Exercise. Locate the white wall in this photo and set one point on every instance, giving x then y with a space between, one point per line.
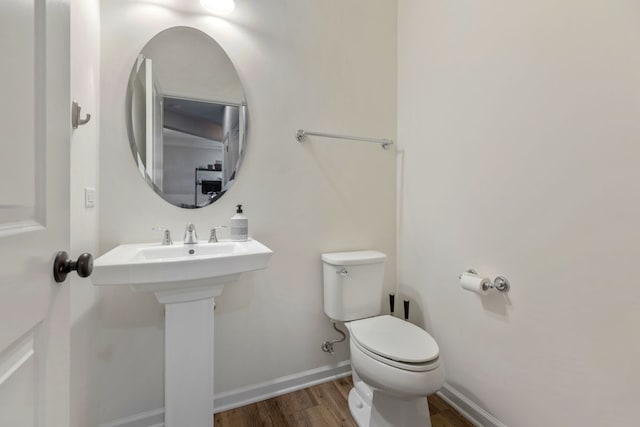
326 66
85 88
519 122
209 76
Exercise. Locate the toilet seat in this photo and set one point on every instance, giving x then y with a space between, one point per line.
396 343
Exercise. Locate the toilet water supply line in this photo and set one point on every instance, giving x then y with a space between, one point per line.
327 346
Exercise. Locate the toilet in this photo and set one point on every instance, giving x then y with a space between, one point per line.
395 364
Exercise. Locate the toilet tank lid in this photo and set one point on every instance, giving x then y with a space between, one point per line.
354 257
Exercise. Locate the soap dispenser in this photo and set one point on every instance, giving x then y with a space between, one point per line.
239 226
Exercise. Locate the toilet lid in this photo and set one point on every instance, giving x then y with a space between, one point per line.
394 339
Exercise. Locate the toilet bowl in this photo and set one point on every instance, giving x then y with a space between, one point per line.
395 364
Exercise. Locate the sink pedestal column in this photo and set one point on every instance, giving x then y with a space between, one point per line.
188 378
188 350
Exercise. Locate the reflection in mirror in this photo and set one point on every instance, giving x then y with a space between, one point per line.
186 117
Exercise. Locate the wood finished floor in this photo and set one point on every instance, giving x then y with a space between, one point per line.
324 405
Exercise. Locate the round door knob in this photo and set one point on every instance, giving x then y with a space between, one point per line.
63 265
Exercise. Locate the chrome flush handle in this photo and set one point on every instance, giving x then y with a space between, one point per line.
343 272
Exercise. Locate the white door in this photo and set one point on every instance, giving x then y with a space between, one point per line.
34 212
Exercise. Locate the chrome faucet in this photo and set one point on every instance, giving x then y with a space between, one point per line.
190 235
213 238
166 236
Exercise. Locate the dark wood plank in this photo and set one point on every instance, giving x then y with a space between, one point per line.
246 416
436 404
448 419
345 385
300 419
323 405
270 415
319 416
330 398
295 402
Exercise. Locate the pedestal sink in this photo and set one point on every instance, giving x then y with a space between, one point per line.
186 279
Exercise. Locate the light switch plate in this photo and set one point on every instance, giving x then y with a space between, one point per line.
89 197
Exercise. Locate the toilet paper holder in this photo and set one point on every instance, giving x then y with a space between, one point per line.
500 283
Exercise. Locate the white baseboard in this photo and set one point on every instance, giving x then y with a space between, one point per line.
279 386
247 395
153 418
468 408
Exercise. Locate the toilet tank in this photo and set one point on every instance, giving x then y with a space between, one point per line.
353 283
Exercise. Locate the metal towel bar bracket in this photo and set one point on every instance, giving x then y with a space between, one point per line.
302 134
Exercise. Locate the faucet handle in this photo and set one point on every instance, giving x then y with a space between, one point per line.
213 238
166 235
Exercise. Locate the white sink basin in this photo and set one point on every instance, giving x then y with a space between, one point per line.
186 278
179 272
186 252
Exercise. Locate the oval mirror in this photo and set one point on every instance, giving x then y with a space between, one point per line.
186 117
